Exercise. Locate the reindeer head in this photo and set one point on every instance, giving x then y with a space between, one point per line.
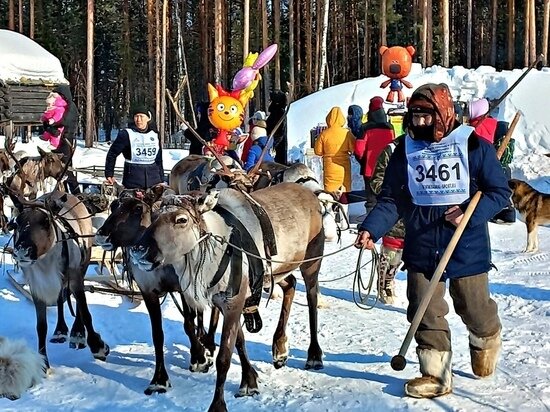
176 232
130 215
52 163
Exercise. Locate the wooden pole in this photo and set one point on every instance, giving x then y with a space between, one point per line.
162 107
31 19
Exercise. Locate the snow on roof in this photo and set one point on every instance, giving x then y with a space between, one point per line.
532 134
22 60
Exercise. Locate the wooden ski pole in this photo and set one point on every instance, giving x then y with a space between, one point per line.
398 362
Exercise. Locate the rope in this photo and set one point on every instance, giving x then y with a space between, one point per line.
362 293
222 240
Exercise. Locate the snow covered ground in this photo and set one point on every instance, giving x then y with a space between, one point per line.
357 344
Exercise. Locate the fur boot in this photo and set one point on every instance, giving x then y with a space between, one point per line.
436 379
20 368
484 353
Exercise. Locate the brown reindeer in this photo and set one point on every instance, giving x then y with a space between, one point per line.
130 215
31 172
191 234
52 246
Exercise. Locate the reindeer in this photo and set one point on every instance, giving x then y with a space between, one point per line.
192 234
52 246
130 215
31 172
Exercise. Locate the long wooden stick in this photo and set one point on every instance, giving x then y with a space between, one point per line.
509 133
398 362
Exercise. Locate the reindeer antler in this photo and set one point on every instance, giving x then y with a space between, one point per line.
9 145
256 167
225 168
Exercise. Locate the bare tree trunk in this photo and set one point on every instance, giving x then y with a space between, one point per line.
511 33
158 35
546 21
445 21
265 43
246 28
383 23
20 15
315 57
425 32
218 39
526 33
150 42
308 46
291 29
429 48
323 45
11 15
277 40
89 139
163 74
532 32
494 33
31 19
469 36
366 46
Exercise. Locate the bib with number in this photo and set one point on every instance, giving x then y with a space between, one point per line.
143 147
439 172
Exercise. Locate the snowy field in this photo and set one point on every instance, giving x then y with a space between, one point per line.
357 344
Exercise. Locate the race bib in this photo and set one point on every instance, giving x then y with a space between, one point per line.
439 172
143 147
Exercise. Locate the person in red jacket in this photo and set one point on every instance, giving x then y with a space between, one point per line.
377 134
484 125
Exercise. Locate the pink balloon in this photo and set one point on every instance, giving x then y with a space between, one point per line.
265 56
244 78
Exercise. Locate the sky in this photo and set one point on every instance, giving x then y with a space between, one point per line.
357 344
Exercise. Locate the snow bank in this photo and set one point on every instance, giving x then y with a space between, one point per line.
25 61
532 134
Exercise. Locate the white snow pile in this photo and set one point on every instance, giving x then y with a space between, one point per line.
25 61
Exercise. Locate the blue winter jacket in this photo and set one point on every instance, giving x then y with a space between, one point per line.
256 151
427 232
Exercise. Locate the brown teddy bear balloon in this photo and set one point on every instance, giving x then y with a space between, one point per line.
396 64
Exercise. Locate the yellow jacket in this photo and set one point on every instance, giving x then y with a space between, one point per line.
335 144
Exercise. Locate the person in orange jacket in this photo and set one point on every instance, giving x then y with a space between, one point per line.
335 144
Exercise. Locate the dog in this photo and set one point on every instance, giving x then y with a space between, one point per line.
20 368
534 208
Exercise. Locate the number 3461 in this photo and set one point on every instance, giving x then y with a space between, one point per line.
442 172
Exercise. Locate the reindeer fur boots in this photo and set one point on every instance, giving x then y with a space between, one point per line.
436 379
484 353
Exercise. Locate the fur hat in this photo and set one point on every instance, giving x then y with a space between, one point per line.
376 103
478 108
437 99
257 132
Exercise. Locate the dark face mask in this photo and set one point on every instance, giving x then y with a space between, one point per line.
425 133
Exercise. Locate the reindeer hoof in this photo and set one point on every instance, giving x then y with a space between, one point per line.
157 388
314 364
59 337
202 367
279 363
77 341
247 391
102 353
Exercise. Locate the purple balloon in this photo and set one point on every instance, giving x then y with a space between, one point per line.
244 78
265 56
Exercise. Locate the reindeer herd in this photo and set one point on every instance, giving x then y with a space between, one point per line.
217 236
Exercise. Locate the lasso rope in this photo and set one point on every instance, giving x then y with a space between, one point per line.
362 293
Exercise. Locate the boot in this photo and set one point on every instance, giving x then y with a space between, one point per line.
436 379
387 292
484 353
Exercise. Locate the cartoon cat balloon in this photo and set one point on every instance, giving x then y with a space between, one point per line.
225 112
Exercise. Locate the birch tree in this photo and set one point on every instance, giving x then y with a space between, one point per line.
323 44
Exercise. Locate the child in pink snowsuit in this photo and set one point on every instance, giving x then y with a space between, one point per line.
53 114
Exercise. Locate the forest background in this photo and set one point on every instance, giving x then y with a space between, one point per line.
119 52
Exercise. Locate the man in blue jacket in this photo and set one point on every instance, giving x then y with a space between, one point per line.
140 146
429 181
